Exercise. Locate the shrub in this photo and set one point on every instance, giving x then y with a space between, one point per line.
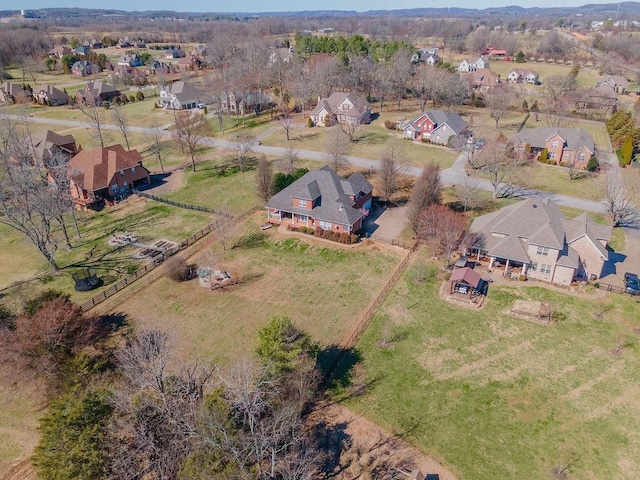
309 122
178 270
627 150
318 232
354 238
544 156
390 125
426 140
139 96
592 164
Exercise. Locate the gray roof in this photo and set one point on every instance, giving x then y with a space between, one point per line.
335 205
575 138
184 91
52 92
330 104
507 232
453 120
98 87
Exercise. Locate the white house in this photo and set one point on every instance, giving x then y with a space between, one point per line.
467 66
523 75
180 96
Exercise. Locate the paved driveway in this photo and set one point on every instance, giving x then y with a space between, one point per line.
627 260
386 223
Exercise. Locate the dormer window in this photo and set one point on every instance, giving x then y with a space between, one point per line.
133 169
302 203
122 173
554 144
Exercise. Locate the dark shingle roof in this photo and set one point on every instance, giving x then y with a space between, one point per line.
574 137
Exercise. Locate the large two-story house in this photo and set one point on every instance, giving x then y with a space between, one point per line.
466 66
534 239
341 107
523 75
436 126
323 199
569 146
48 146
104 174
180 95
96 93
50 95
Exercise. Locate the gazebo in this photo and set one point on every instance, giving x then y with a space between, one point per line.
466 281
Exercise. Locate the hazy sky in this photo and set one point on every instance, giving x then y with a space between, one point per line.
287 5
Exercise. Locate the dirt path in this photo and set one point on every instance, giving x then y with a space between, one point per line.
376 444
22 471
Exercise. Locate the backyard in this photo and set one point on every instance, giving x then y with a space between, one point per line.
492 396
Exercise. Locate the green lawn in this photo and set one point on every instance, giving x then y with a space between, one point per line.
323 288
493 396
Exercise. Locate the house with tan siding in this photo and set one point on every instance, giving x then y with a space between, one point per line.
567 146
533 239
323 199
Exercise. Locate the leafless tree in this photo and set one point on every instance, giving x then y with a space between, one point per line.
264 179
285 114
469 194
427 83
454 91
558 97
191 128
154 140
60 181
289 161
242 149
427 190
392 167
301 86
337 148
620 199
499 102
359 73
399 70
442 228
350 129
96 123
497 161
122 122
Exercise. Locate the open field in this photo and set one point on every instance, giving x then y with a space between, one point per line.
149 220
321 287
493 396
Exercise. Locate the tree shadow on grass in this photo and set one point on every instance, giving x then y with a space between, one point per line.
336 364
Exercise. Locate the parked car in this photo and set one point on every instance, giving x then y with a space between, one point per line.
631 283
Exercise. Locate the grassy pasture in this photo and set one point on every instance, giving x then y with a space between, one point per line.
493 396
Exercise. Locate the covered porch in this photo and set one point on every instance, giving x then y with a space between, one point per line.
507 267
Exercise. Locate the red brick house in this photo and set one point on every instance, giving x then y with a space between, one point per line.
436 126
569 146
105 175
323 199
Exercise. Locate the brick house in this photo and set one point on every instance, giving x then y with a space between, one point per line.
482 80
82 68
323 199
437 126
105 175
14 93
538 241
48 144
341 107
50 95
570 146
96 93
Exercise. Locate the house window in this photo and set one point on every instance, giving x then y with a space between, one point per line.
552 155
533 266
133 169
325 225
302 218
543 251
582 157
122 173
345 106
554 144
302 203
545 268
114 188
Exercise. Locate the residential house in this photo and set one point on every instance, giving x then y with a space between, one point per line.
341 107
323 199
494 52
104 175
50 95
426 55
482 80
82 50
472 65
617 83
140 44
130 74
569 146
161 68
436 126
48 145
284 55
180 96
14 93
82 68
523 75
174 52
131 60
59 52
124 43
189 63
96 93
96 44
536 240
240 103
602 100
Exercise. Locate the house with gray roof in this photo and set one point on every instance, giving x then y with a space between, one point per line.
48 145
50 95
323 199
341 107
436 126
565 146
180 95
96 93
539 242
617 83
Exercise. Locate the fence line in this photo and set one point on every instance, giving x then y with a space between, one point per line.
392 241
188 246
379 300
609 288
187 206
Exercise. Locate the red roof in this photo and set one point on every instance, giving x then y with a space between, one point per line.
466 275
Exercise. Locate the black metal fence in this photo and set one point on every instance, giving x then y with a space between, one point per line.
188 206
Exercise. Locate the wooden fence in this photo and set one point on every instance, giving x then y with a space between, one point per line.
380 298
188 206
609 288
392 241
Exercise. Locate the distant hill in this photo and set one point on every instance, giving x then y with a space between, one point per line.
594 10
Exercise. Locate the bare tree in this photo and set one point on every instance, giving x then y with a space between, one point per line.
399 70
469 194
242 149
285 114
427 190
426 84
154 139
392 167
191 129
289 161
381 85
264 179
122 122
499 102
442 228
620 199
336 150
96 123
497 160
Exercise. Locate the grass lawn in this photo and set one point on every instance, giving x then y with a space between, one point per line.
321 287
149 220
555 179
493 396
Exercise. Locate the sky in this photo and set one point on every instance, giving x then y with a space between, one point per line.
290 5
